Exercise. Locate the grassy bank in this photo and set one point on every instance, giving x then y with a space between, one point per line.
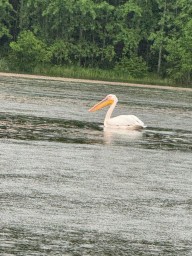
93 74
99 74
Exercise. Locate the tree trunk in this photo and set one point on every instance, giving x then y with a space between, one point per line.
21 15
162 32
159 60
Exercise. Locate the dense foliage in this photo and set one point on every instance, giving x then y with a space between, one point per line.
131 36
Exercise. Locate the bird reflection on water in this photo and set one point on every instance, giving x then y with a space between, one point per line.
112 135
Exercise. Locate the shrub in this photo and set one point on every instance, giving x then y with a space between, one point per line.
134 67
4 64
60 52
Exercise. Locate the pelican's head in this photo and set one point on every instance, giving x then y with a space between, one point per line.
108 100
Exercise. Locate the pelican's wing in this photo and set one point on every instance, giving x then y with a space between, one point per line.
126 120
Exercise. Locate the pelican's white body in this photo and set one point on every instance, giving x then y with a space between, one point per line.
130 122
124 122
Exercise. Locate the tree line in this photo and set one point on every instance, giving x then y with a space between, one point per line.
133 36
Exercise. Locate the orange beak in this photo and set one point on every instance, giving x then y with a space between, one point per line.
105 102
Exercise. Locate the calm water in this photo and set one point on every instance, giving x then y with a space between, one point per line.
68 187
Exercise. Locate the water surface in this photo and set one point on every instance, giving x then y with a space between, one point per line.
69 187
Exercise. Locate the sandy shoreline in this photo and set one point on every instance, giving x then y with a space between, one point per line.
74 80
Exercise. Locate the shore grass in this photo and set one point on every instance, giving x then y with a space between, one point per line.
95 74
99 74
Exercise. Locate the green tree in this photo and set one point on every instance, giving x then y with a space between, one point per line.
179 45
127 31
162 32
29 51
5 18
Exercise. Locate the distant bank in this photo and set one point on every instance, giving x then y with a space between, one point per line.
75 80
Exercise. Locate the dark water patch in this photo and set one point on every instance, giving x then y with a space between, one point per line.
168 139
40 128
22 127
151 138
82 242
33 120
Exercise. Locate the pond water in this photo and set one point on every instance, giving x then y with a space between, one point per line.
68 187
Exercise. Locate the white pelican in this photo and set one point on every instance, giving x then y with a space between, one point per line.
130 122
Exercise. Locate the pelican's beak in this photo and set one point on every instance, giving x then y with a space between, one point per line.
105 102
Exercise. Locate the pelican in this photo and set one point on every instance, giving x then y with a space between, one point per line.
130 122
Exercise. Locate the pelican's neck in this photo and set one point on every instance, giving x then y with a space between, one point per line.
109 113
